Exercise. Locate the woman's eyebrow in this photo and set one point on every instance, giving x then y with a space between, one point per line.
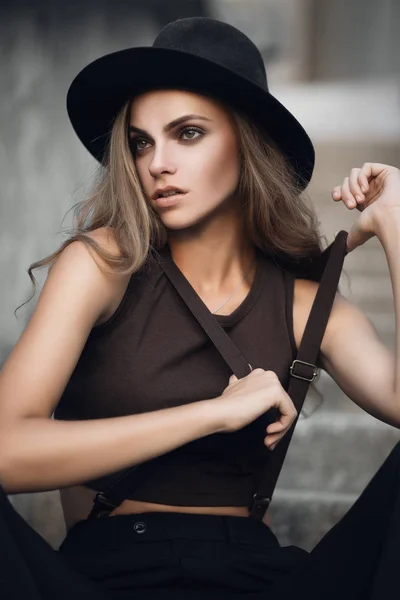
171 125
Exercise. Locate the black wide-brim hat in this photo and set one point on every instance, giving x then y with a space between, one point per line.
197 54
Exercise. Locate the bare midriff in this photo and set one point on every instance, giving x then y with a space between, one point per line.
77 503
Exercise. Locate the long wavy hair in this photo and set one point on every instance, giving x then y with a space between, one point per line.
278 219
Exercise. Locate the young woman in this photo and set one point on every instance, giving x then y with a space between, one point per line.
201 167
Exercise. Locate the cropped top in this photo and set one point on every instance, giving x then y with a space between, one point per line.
153 354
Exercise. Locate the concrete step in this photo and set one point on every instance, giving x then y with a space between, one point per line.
372 292
345 115
336 158
369 259
326 469
302 519
43 512
336 452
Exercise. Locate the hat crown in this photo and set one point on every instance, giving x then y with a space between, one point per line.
198 54
216 41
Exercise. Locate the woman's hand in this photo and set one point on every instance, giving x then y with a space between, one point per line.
246 399
374 190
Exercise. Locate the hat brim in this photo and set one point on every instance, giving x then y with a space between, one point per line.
101 89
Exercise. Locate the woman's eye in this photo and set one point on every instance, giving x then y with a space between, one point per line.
191 129
187 131
134 144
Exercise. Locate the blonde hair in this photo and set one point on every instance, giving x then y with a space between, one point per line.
278 220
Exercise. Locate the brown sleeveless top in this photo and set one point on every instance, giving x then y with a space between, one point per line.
153 354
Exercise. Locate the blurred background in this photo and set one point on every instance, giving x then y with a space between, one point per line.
336 66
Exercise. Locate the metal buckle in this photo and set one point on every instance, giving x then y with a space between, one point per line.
102 501
258 507
315 370
259 501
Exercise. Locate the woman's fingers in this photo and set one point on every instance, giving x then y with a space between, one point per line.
347 196
271 440
288 412
363 180
355 187
275 427
342 192
276 431
337 193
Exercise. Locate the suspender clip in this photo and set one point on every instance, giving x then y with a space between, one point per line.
103 501
258 506
101 506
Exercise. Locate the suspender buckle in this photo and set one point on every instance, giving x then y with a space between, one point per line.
101 506
314 370
102 503
258 506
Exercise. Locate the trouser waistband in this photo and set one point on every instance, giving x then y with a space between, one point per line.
157 526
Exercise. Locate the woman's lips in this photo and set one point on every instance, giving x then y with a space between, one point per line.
169 200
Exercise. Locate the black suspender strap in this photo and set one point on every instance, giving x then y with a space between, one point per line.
303 370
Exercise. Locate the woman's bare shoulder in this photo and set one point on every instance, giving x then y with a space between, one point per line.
118 283
105 238
73 297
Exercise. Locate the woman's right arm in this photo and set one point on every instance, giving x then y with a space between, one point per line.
38 453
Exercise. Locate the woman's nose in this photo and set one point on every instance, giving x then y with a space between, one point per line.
161 162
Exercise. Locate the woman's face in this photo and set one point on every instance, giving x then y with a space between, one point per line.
199 154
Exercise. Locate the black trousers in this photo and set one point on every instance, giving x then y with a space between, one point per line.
176 555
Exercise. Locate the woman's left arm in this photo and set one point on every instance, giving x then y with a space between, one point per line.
351 351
